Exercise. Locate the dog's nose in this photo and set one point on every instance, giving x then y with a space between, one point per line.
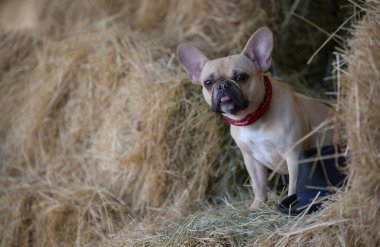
224 85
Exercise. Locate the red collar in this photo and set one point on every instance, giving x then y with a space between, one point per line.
254 116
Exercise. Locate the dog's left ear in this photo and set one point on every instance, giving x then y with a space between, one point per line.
259 48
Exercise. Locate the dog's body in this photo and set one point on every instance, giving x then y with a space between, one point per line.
235 87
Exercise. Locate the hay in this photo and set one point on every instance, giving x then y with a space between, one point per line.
76 162
101 129
90 141
232 225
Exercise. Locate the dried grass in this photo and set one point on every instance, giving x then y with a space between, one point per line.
100 130
91 122
232 225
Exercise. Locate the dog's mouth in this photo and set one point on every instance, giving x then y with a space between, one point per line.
228 99
225 99
226 104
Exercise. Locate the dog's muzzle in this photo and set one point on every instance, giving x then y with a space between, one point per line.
227 97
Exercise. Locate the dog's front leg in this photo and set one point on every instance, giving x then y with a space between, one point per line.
258 175
292 162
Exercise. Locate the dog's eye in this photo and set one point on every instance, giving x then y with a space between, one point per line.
241 77
207 83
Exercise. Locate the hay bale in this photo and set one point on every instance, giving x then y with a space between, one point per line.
90 140
99 126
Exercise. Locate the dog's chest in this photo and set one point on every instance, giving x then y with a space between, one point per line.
262 147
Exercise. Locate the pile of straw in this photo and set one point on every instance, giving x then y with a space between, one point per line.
99 130
103 137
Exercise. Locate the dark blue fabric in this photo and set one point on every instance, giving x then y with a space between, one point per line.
322 174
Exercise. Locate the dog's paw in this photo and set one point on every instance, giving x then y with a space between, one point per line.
256 204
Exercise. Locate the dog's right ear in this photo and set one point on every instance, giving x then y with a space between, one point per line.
192 60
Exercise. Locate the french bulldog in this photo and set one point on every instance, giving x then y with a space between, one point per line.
270 122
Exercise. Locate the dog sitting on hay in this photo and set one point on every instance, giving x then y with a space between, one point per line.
269 121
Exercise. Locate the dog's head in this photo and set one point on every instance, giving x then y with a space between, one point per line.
230 84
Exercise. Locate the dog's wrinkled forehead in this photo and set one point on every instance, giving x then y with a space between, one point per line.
224 68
